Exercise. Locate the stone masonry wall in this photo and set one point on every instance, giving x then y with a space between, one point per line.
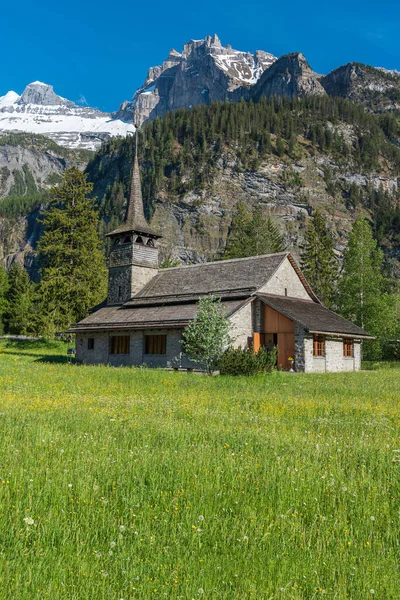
241 326
285 278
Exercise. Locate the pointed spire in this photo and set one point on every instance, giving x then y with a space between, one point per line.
134 218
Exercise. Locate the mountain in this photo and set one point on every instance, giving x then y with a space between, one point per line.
290 76
288 158
205 71
40 110
376 88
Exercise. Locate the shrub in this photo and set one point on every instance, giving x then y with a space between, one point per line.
244 361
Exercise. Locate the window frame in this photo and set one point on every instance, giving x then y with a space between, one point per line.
153 342
120 347
319 350
348 342
90 343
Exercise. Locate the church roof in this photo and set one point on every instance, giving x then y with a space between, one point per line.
147 317
221 277
134 218
313 316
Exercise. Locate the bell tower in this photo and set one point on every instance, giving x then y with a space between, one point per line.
133 257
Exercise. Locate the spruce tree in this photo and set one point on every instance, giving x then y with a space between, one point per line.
18 299
238 243
318 261
3 300
361 286
252 235
73 271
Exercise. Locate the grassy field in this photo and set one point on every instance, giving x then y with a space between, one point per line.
131 483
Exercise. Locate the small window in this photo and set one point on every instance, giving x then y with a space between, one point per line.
120 344
127 239
348 348
155 344
90 344
285 291
119 291
139 240
150 242
319 346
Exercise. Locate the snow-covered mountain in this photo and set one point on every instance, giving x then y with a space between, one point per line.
203 72
40 110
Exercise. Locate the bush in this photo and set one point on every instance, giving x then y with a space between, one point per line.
244 361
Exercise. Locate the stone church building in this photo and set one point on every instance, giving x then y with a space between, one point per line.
267 299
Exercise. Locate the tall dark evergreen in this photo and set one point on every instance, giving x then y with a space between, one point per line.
73 271
252 235
3 300
18 297
318 261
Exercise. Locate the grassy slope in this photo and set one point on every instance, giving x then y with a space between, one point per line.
150 484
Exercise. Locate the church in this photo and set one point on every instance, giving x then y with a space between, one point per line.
266 298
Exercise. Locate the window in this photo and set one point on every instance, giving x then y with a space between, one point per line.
90 344
319 346
150 243
285 291
119 344
348 348
155 344
139 240
127 239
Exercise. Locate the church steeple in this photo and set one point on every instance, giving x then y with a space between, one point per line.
134 254
134 218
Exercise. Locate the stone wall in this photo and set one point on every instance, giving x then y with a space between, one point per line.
332 362
285 278
241 326
125 282
100 354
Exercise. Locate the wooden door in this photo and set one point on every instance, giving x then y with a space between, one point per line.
285 349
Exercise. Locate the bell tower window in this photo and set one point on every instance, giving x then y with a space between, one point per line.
150 242
139 240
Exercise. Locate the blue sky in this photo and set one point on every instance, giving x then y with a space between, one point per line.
101 51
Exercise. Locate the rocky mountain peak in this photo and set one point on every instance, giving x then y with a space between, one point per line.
42 94
205 71
290 75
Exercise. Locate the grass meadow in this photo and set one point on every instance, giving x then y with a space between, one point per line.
132 483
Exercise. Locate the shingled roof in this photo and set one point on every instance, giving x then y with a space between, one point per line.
313 316
242 274
147 317
134 218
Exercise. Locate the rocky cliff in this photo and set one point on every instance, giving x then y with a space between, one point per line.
377 89
203 72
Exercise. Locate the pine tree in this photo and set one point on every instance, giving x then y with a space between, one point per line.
238 243
362 284
252 235
18 297
73 271
318 261
3 292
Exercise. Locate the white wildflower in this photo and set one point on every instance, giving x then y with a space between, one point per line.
113 544
201 518
70 485
29 521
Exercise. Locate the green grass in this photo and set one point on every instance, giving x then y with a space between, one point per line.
150 484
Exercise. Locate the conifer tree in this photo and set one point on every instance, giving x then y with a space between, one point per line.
3 300
73 271
318 261
18 299
252 235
